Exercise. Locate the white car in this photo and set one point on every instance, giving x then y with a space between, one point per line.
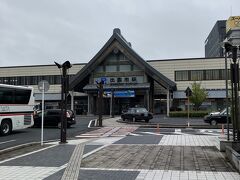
218 112
214 113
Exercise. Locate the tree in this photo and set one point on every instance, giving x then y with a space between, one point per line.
199 95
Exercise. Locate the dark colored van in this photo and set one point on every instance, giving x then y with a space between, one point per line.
52 117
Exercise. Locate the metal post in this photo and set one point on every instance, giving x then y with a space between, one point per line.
235 96
100 102
188 108
42 115
168 108
113 103
64 81
233 109
227 104
63 127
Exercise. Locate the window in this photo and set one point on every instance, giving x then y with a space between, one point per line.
134 79
119 79
126 79
136 68
181 75
124 68
111 58
22 96
122 57
111 68
30 80
112 80
14 96
197 75
213 74
99 69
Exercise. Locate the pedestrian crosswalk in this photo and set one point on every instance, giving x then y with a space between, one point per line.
107 132
135 131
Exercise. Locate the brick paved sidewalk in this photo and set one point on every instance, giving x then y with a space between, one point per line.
118 154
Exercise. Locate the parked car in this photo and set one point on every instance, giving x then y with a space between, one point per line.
135 114
52 117
218 112
216 118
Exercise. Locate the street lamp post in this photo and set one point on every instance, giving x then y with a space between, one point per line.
64 81
227 102
232 51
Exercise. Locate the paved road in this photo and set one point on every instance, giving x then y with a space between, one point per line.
180 121
34 134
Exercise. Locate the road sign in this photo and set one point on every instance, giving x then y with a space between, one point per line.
43 86
104 80
188 92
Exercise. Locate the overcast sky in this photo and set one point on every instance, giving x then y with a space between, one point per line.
36 32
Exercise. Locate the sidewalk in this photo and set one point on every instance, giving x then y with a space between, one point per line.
121 152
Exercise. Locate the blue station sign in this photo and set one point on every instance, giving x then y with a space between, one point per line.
125 93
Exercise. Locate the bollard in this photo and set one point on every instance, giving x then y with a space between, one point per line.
222 133
188 124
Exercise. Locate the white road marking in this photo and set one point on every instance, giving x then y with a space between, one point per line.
27 154
178 130
133 134
152 133
7 141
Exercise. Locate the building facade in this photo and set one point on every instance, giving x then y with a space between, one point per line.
215 38
158 85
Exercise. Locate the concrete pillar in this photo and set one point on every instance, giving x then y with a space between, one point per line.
72 100
147 96
90 103
168 103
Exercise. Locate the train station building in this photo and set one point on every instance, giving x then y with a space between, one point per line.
158 85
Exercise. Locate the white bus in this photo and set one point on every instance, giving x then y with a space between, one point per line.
16 108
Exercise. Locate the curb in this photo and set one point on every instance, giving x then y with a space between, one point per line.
14 148
154 125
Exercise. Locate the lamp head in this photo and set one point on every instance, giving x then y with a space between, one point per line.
228 46
58 65
67 65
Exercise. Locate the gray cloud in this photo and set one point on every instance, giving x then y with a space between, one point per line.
40 32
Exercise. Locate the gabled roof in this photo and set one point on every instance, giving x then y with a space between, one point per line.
119 42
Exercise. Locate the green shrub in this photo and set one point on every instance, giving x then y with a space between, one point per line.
185 113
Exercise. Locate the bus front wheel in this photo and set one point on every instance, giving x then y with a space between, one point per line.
6 127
